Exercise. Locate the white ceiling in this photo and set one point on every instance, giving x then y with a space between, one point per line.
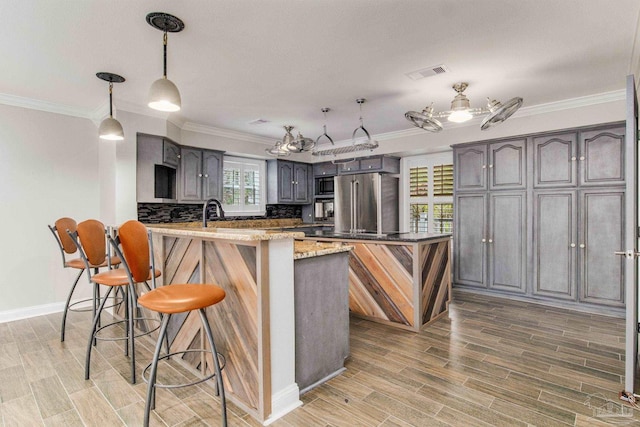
283 60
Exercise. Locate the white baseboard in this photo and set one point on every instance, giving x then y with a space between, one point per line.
34 311
283 402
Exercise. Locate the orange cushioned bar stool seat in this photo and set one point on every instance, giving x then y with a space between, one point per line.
67 247
181 298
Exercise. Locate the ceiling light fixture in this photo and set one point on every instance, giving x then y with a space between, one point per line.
325 110
278 150
301 144
365 143
163 94
110 129
461 112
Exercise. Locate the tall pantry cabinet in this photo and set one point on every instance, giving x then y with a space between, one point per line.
540 216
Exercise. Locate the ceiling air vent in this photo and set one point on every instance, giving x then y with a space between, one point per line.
428 72
258 122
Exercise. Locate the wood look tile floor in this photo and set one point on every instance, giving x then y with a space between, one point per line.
491 362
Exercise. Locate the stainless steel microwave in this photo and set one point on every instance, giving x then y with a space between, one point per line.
324 186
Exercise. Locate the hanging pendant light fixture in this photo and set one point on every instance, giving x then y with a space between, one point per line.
163 94
461 112
110 129
325 110
364 142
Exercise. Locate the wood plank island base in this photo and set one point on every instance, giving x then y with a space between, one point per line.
255 324
402 279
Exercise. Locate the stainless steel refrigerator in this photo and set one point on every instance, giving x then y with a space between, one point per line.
366 203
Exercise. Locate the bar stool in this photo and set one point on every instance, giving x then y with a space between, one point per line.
68 247
90 241
169 300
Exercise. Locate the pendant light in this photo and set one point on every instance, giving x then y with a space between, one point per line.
163 94
364 143
110 129
461 112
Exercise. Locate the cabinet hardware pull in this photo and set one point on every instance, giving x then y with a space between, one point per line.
490 166
206 175
484 166
581 158
582 246
628 254
179 156
573 159
573 245
484 240
199 175
490 240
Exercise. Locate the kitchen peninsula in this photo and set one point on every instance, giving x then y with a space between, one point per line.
255 325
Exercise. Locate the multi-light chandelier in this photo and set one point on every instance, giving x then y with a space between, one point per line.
461 111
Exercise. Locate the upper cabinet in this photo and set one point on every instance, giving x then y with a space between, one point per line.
170 153
602 156
555 160
156 169
288 182
497 166
325 169
383 164
201 174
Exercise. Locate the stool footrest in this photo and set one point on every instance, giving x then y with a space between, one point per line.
89 308
136 319
221 360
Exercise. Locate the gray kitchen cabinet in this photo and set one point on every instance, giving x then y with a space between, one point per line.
555 160
155 177
602 156
200 174
325 169
601 233
288 182
170 153
507 241
470 164
507 165
469 234
381 163
555 244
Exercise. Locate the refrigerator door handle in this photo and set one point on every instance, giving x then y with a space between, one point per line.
354 203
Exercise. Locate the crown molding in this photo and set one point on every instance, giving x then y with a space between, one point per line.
40 105
226 133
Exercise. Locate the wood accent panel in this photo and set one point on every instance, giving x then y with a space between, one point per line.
380 285
435 279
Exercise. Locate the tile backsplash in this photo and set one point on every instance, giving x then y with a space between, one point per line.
157 213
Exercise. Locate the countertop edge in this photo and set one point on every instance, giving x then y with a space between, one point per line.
226 233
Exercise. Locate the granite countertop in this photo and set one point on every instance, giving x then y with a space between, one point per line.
391 237
308 249
243 223
247 234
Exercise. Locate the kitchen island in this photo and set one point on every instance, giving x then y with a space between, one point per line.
400 279
255 325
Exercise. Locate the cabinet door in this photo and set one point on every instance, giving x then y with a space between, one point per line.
349 167
470 239
170 153
470 168
507 241
554 161
602 157
507 165
601 233
325 169
555 233
301 186
371 164
212 169
285 182
191 174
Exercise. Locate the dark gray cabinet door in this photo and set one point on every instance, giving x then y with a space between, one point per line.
301 183
470 168
212 170
191 175
170 153
555 161
507 241
470 237
285 182
601 234
555 237
325 169
602 157
507 165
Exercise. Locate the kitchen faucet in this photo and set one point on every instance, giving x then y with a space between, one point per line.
219 210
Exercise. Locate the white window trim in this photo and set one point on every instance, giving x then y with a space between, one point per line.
428 160
261 210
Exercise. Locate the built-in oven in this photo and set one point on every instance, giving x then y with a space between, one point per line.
324 186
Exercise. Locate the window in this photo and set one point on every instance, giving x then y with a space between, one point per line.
429 208
243 186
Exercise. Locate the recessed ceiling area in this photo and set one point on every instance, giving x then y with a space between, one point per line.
282 61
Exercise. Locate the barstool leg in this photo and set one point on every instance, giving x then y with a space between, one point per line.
151 391
216 364
127 315
66 306
131 333
87 361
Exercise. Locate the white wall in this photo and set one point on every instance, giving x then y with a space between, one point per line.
49 168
